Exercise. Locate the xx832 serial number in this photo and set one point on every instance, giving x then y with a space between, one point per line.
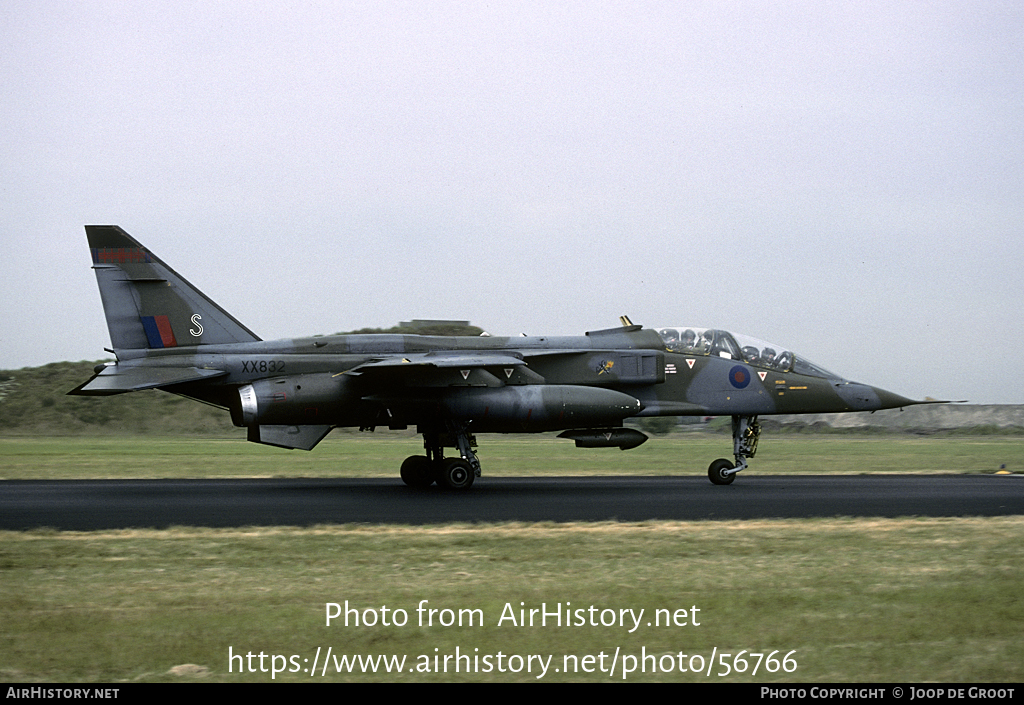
263 366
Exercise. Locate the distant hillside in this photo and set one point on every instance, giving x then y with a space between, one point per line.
926 418
34 401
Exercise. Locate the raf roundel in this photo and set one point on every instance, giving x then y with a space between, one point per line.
739 376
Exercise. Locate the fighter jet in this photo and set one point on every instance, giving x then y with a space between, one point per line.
168 335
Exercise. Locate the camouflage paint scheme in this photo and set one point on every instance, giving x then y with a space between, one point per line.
168 335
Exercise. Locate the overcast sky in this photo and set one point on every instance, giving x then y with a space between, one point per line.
842 179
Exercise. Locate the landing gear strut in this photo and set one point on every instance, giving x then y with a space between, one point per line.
745 433
420 471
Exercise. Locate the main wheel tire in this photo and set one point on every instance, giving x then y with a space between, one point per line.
416 472
456 474
717 472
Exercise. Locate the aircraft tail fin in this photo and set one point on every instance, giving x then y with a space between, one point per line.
148 304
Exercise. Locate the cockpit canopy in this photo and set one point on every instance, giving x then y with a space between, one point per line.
720 343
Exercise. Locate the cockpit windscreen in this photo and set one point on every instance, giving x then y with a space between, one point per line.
720 343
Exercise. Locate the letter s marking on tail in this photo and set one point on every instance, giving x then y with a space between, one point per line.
196 333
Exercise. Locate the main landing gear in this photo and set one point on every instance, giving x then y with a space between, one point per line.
745 433
421 471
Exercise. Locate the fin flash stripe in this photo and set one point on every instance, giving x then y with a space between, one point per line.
120 255
158 332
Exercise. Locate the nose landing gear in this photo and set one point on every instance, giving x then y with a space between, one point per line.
745 433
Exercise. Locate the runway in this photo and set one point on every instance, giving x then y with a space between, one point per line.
117 504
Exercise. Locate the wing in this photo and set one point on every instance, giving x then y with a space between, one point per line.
440 369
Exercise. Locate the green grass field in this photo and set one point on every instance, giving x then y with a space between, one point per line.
380 455
846 600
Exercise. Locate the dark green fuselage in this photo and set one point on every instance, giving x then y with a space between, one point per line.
168 335
340 381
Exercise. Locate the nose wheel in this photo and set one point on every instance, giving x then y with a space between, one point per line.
722 472
745 433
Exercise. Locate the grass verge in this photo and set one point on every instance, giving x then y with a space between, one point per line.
380 455
854 600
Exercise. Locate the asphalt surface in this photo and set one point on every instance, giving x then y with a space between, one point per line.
114 504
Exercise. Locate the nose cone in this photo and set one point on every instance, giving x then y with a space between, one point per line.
861 397
890 400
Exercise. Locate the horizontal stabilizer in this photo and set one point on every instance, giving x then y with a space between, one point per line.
114 380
